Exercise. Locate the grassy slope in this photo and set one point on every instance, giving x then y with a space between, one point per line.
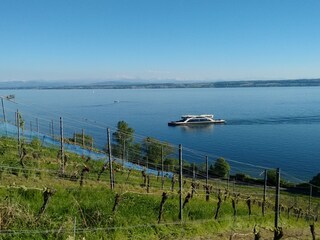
91 205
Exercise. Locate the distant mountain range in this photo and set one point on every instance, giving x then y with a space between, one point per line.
123 84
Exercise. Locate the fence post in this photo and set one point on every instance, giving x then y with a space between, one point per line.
49 132
233 184
74 228
110 161
18 132
31 131
194 173
162 175
82 137
92 143
277 200
147 162
52 131
264 192
207 171
37 124
228 179
61 145
123 152
3 111
310 196
180 183
127 155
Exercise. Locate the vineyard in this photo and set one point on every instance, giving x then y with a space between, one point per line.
60 183
39 202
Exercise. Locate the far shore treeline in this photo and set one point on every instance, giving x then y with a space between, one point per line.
143 84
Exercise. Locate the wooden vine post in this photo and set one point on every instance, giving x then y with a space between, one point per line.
37 125
206 187
106 163
18 132
52 129
277 231
194 173
180 184
123 152
82 134
62 147
310 196
207 171
110 160
228 180
3 110
162 169
264 192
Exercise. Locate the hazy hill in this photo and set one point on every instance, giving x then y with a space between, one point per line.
129 84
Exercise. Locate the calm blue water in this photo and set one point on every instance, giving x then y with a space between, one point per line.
272 127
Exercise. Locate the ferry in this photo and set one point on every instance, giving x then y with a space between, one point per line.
196 119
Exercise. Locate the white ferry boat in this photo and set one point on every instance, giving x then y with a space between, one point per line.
196 119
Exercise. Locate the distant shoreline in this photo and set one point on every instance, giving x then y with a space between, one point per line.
128 85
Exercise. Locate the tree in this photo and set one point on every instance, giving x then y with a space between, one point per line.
123 138
272 178
135 153
153 150
220 168
316 180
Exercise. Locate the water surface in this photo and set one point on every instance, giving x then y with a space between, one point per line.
268 127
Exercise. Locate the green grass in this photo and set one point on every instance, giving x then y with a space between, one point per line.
136 217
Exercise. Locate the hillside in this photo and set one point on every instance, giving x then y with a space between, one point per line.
142 84
39 202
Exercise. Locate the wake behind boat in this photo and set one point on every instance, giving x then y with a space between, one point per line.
196 119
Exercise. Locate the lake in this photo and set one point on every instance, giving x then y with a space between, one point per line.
266 127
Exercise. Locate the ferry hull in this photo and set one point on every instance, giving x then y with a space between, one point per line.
177 123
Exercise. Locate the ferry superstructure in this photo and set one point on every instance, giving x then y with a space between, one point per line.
196 119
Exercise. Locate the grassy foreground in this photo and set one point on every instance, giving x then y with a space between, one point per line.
39 203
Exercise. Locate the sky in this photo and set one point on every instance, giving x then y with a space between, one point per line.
166 40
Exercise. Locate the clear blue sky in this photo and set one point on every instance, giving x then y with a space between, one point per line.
159 39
